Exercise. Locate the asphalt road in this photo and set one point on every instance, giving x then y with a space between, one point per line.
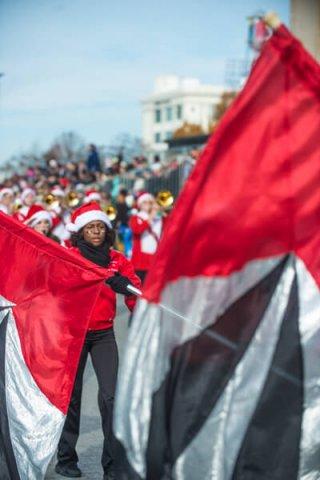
90 442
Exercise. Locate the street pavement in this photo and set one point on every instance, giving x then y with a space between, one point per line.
89 446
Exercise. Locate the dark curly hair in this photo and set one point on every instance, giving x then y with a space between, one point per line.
109 238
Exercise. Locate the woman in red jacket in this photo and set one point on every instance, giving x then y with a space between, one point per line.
92 237
146 228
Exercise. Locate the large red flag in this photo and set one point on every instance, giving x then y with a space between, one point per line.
46 298
222 383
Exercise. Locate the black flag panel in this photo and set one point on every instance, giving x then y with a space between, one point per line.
271 446
200 370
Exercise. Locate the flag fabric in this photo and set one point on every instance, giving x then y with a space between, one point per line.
46 298
222 370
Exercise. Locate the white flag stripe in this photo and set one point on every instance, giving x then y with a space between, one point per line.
35 424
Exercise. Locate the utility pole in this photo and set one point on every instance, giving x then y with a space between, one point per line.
305 24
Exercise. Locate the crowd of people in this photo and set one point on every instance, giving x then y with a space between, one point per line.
44 197
136 219
46 171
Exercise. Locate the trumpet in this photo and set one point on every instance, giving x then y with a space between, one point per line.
165 199
111 212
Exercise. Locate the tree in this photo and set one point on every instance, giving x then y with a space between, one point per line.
67 147
126 146
189 130
225 102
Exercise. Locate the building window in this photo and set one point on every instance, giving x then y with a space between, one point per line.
157 138
169 114
168 135
158 115
179 112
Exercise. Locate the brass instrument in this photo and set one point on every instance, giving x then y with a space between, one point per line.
51 200
111 212
17 205
165 199
72 199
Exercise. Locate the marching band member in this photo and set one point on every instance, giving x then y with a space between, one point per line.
92 237
58 192
6 200
40 220
92 195
27 198
146 227
59 215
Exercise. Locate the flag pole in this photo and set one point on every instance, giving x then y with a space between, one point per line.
214 335
134 290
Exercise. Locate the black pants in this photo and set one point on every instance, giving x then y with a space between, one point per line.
101 345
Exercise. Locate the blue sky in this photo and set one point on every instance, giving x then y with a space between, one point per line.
84 65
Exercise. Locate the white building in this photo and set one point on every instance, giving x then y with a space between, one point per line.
176 101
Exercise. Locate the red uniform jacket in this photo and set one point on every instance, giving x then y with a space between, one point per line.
105 308
146 237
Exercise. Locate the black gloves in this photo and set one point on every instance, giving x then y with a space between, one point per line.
119 284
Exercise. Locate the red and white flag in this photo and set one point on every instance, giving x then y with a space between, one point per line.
46 297
222 372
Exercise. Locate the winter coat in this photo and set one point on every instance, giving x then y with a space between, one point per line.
104 311
146 237
93 162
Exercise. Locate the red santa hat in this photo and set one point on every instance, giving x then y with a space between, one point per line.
6 191
144 197
85 214
26 192
64 182
92 196
57 191
36 214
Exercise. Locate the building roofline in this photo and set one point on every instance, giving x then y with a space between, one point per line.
216 90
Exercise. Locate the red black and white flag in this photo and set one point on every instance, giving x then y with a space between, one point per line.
46 298
221 379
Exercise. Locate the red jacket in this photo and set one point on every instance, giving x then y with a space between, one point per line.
146 237
105 308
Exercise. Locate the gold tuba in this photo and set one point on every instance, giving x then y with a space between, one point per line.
165 199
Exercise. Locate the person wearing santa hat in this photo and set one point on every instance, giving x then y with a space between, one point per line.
60 216
92 195
6 200
40 220
146 226
27 199
58 192
92 237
